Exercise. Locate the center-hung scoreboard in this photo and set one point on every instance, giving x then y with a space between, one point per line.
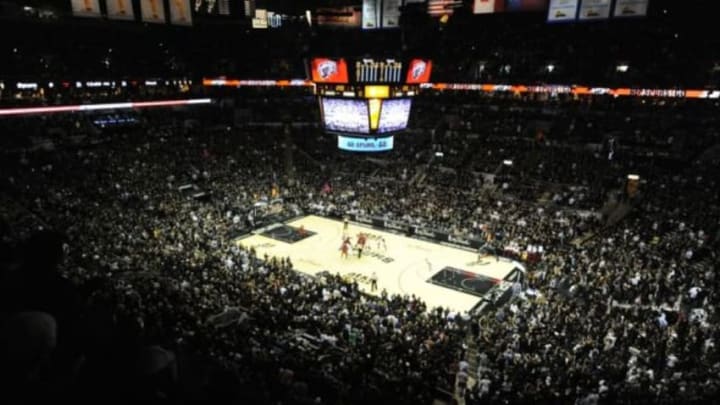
366 102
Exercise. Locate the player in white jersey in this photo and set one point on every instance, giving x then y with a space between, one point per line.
346 225
380 243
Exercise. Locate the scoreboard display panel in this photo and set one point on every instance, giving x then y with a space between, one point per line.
394 115
354 144
345 115
366 101
364 117
365 91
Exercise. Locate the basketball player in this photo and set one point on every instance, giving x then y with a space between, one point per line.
362 239
483 250
346 225
301 231
344 248
381 243
481 253
489 248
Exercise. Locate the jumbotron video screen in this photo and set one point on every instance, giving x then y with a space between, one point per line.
394 115
345 115
356 116
366 102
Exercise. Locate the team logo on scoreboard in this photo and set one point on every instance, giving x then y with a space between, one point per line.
327 69
418 69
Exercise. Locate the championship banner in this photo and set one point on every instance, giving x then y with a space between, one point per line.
153 11
86 8
371 14
486 6
594 9
391 13
438 8
224 7
345 17
215 7
261 19
563 10
120 9
630 8
180 12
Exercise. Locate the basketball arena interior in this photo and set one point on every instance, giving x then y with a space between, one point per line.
442 202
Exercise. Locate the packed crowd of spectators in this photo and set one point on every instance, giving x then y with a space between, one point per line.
115 281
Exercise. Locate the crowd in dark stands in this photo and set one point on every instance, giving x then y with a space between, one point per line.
117 286
120 280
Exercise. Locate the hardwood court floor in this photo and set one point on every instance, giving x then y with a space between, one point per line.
403 268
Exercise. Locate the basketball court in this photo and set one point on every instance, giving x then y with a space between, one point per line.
440 275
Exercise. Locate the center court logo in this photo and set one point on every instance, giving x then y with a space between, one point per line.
327 69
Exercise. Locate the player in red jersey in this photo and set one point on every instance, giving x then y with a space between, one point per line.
344 248
362 239
301 231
